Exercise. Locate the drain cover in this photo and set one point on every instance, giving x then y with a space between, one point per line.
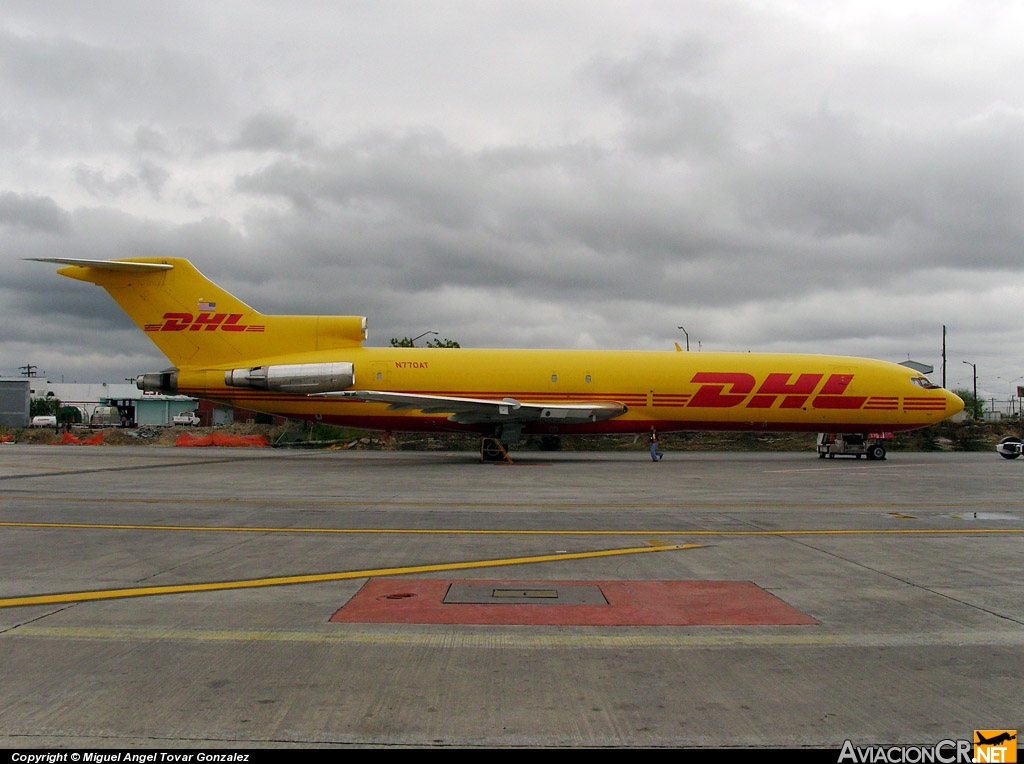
560 594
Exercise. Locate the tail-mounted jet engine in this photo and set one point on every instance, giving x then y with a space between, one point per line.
165 382
295 377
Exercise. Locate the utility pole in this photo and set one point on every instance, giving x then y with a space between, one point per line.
28 370
943 356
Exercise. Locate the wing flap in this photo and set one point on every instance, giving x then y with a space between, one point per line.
487 410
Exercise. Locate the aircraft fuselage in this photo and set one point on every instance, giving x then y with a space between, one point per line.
670 390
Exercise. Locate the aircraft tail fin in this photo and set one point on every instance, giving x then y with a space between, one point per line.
197 324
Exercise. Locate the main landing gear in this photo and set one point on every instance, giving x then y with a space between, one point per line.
495 447
492 450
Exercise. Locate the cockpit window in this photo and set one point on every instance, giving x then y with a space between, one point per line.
924 382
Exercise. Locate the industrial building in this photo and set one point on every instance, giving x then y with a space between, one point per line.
15 396
104 404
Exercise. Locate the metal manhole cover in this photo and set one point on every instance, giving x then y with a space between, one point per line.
537 594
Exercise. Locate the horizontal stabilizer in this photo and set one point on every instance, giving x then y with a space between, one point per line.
106 265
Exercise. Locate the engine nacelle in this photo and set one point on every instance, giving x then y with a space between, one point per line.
295 377
165 382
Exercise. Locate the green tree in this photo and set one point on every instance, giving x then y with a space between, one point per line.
48 406
445 343
405 342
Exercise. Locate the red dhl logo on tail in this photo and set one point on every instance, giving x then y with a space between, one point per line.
210 322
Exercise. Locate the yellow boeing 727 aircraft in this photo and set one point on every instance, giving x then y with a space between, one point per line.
316 368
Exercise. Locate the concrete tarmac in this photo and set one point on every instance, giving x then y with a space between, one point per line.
183 598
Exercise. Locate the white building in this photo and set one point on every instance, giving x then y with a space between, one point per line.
133 406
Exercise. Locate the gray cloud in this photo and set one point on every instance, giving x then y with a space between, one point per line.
272 132
670 107
843 179
32 212
57 73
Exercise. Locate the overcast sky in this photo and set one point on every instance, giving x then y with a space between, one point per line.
807 176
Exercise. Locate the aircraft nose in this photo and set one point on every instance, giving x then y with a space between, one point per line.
954 403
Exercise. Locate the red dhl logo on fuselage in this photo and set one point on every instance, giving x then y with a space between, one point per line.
211 322
793 393
786 391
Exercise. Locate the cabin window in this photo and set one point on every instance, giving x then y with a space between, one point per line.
587 379
554 377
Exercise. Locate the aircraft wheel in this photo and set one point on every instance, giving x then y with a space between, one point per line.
491 451
550 443
876 452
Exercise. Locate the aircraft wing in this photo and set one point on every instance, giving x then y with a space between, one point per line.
487 410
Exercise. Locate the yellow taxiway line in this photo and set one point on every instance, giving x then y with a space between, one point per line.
655 545
496 639
514 531
965 505
148 591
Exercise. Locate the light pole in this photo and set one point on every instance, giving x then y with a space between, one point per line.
687 339
943 356
974 413
413 340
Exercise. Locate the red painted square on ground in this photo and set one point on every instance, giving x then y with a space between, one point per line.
630 603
